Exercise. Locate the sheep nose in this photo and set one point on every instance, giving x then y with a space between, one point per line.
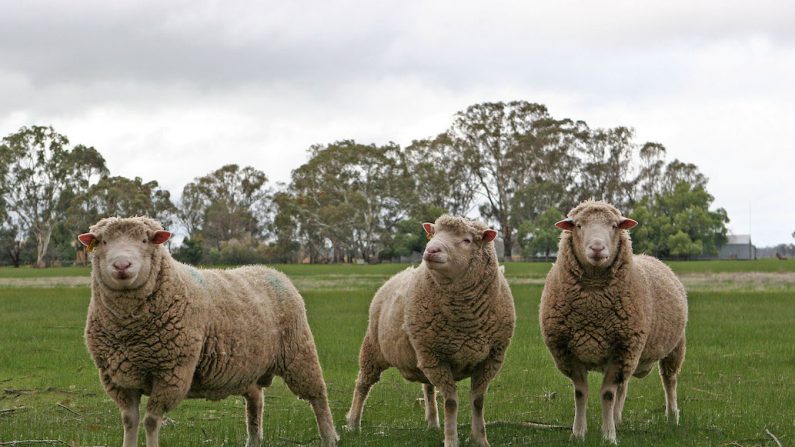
122 265
597 248
431 249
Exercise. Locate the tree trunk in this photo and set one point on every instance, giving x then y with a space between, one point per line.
43 242
507 240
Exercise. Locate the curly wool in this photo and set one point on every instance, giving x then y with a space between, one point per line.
199 333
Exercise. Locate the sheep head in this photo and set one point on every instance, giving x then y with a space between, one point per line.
595 229
123 249
453 242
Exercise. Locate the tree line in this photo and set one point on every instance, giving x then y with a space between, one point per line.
512 163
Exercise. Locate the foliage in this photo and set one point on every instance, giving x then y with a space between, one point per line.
678 223
228 203
46 175
540 235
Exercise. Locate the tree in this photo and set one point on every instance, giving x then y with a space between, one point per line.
679 223
46 174
606 166
350 194
509 146
540 235
441 178
228 203
123 197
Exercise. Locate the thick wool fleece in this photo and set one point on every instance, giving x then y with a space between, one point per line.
619 320
633 312
199 333
436 333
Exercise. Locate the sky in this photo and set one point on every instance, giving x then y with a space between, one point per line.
170 91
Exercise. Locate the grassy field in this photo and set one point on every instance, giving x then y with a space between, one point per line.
737 380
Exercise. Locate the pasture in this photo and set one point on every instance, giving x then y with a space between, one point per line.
736 387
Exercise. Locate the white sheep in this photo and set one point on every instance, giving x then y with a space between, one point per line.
450 318
163 329
605 309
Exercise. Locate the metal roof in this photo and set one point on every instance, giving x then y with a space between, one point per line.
743 239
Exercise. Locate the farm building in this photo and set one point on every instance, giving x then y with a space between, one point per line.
738 246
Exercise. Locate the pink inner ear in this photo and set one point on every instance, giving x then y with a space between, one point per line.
160 237
627 224
489 235
86 238
428 228
565 224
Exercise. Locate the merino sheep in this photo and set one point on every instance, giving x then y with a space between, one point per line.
169 331
608 310
450 318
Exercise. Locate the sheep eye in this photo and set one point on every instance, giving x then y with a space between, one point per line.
615 226
467 240
579 226
104 242
144 241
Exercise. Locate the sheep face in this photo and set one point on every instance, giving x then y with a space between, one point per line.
595 232
123 253
450 248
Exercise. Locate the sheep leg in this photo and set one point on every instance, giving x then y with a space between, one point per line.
167 392
304 378
371 365
431 413
621 395
579 378
441 377
128 401
669 369
254 404
613 376
481 377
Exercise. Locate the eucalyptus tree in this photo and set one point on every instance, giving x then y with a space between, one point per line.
43 174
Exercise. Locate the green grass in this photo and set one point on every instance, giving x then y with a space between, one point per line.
512 269
737 380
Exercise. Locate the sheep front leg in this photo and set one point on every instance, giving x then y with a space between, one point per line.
579 378
614 376
481 377
371 365
441 377
166 394
254 404
128 401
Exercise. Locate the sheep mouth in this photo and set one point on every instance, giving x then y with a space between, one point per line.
434 258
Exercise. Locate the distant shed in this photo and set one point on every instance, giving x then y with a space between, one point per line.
739 246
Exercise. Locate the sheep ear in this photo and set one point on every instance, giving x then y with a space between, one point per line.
160 237
86 239
566 224
627 223
489 235
428 228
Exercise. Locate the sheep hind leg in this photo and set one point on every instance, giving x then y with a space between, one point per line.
431 413
669 369
254 404
371 365
621 396
304 378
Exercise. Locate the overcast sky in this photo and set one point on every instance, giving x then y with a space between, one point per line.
169 91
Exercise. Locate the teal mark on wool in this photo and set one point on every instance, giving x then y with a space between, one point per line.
194 272
276 282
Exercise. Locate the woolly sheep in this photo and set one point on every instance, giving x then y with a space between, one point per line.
169 331
450 318
608 310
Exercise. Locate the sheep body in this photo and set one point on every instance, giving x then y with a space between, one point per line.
192 333
618 317
437 330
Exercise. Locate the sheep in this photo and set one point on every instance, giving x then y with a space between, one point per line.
605 309
450 318
169 331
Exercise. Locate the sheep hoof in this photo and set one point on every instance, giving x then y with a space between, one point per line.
610 438
578 433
